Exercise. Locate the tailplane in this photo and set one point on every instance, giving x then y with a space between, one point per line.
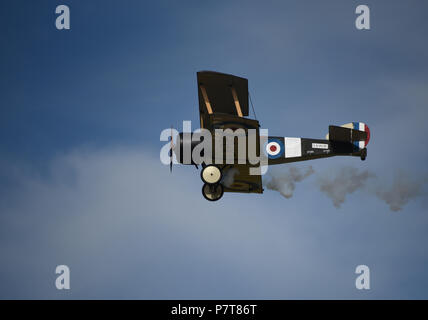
355 133
358 133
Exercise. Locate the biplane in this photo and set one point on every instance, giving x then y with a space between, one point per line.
224 104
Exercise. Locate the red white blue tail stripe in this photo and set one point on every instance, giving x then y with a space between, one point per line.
361 127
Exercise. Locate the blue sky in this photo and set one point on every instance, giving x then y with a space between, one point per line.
80 178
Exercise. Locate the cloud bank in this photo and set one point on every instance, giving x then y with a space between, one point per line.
127 228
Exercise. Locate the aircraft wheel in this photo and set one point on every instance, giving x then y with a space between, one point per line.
212 192
211 174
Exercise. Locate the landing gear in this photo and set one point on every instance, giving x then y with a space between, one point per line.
363 154
211 174
212 192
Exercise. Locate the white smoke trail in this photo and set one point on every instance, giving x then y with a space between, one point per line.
229 177
347 180
285 182
401 191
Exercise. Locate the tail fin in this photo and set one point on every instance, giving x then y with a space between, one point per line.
358 133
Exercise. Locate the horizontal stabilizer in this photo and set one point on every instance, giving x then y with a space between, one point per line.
336 133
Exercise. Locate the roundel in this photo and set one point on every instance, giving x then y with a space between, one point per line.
274 148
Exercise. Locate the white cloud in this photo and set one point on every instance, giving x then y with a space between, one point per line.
129 229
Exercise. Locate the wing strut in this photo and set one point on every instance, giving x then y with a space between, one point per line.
237 105
207 102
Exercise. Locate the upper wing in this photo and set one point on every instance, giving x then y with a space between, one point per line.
221 93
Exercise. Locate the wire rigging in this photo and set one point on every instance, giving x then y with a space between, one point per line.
252 106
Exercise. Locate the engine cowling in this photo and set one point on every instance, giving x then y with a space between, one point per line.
179 148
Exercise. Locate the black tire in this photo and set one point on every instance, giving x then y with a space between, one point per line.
212 196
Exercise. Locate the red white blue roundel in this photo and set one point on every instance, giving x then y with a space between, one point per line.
274 148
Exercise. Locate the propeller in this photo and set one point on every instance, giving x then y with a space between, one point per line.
170 152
